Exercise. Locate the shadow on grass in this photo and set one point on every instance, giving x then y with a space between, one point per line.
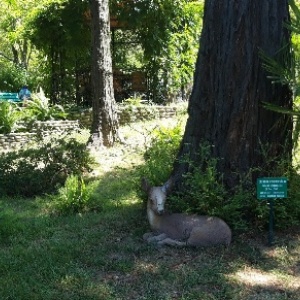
121 186
244 271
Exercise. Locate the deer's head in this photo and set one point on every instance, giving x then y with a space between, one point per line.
156 195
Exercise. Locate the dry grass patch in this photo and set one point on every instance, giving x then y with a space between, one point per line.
129 154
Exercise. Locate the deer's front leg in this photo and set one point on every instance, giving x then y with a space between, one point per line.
151 238
147 235
170 242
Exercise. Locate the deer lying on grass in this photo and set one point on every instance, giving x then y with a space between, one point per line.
181 229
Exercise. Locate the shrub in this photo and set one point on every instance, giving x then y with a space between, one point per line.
73 197
41 170
160 156
287 211
11 76
39 108
205 193
10 115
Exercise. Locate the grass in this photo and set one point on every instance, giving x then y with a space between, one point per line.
101 255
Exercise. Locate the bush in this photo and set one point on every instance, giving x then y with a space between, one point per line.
161 154
287 211
11 76
39 108
73 197
10 115
204 192
42 170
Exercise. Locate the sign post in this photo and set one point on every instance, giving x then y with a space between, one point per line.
270 189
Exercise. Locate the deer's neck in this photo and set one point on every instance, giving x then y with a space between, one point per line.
153 219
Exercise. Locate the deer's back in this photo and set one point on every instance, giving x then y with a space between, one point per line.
196 230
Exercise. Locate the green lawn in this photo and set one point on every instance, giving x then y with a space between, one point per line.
101 255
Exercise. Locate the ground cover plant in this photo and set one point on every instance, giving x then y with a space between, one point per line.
42 169
99 253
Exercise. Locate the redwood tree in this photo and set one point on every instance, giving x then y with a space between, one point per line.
105 122
230 85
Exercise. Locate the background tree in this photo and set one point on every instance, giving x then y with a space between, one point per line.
67 67
16 51
230 84
157 46
105 122
168 33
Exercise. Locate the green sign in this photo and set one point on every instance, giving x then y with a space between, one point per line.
271 187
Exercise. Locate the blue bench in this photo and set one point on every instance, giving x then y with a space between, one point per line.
11 97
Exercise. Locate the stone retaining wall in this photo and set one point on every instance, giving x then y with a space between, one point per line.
126 114
57 126
14 141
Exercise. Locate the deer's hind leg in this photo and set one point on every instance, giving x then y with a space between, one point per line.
170 242
201 237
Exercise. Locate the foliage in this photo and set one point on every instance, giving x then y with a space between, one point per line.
41 170
160 38
135 100
284 69
10 114
39 108
73 197
168 32
129 53
68 50
182 50
161 154
16 51
12 77
204 192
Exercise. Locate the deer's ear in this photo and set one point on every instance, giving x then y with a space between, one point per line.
145 185
167 187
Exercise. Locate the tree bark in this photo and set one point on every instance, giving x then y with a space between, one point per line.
230 84
105 122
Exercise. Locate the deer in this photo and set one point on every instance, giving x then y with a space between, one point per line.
180 229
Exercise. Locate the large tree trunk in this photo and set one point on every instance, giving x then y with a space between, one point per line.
105 122
230 85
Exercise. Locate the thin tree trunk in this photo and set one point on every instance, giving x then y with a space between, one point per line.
230 85
105 123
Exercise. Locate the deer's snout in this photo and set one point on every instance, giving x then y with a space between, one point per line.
160 209
160 212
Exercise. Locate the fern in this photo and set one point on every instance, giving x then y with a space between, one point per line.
284 69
